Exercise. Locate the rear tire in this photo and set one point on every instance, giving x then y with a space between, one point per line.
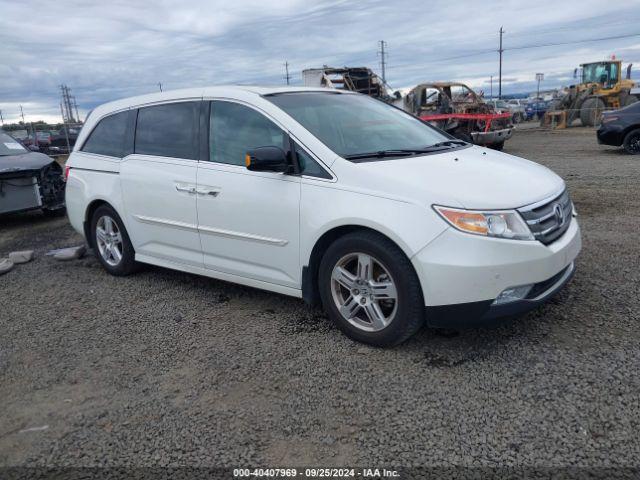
591 111
631 142
111 242
370 289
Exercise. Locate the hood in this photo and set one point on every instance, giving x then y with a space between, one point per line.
474 178
25 161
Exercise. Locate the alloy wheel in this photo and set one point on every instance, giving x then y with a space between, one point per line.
109 240
364 292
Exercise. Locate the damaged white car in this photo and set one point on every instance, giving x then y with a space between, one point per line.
29 180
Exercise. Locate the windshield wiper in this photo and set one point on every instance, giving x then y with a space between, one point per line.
449 143
393 153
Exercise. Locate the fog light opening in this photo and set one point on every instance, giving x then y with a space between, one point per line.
512 294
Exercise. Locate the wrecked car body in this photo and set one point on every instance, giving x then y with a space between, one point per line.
449 106
355 79
29 180
459 111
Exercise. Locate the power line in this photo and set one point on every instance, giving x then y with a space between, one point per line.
522 47
573 42
573 27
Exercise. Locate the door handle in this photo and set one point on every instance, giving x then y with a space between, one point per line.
185 188
207 191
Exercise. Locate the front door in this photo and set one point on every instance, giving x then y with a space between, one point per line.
159 184
248 221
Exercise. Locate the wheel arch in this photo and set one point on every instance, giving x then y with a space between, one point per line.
628 130
89 211
310 287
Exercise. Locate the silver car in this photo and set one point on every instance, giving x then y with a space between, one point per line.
29 180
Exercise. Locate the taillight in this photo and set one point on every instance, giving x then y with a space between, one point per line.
67 168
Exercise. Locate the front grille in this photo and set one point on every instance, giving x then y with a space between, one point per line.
546 221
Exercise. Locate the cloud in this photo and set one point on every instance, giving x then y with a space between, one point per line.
109 50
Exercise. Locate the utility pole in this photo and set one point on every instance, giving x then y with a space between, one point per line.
66 103
287 77
500 50
539 78
75 105
64 127
383 59
491 85
22 114
160 85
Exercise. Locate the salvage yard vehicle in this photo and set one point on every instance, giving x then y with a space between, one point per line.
355 79
459 111
502 106
452 107
601 87
327 195
621 128
536 109
29 180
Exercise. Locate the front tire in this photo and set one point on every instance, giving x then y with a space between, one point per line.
591 111
111 242
370 289
631 142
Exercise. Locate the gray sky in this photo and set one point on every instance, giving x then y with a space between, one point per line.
112 49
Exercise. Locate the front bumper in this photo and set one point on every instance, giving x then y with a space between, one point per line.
610 135
486 313
492 136
462 274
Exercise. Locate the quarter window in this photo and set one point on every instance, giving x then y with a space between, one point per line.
108 137
169 130
308 166
235 128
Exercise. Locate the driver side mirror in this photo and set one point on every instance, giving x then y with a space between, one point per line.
267 159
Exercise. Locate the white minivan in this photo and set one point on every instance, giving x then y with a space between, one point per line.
326 195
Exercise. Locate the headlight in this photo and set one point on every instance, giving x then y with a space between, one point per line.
500 223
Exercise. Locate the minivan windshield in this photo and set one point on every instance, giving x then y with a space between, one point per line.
359 127
10 146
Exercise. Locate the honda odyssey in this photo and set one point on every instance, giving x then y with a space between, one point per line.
326 195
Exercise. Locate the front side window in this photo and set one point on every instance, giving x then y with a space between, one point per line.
169 130
235 129
351 124
109 135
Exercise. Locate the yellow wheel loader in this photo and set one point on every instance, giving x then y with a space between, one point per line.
601 88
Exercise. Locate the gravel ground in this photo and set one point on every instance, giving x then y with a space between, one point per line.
166 368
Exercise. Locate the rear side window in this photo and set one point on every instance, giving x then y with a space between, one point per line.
168 130
109 136
235 129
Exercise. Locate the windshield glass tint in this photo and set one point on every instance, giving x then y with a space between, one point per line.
10 146
352 124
